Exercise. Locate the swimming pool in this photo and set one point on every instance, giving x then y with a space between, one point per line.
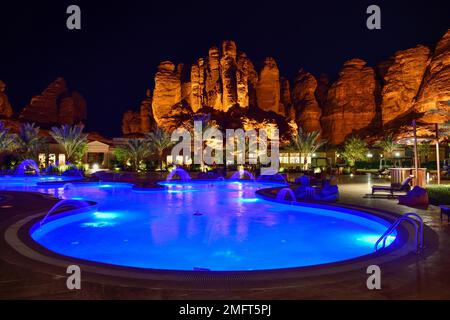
217 226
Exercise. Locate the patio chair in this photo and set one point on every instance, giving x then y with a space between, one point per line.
394 187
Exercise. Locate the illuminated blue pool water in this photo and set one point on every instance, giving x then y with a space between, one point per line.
216 226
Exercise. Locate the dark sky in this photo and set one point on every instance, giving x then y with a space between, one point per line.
112 60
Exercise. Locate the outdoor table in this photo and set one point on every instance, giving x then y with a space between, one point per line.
445 210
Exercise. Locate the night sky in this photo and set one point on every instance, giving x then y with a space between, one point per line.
112 60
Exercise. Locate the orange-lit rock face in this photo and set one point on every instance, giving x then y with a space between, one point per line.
351 103
213 84
226 85
286 99
402 79
306 106
146 113
55 105
246 79
323 84
197 85
268 87
434 96
5 107
167 91
72 109
228 70
222 80
131 122
43 108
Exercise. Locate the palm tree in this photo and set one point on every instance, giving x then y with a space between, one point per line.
354 149
7 140
388 144
158 141
29 142
307 143
72 139
136 150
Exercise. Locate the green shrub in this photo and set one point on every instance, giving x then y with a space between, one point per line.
439 194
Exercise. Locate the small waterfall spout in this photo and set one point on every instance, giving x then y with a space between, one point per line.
281 195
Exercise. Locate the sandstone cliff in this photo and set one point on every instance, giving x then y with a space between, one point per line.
402 80
351 102
306 105
141 121
413 84
131 123
228 73
222 80
55 105
5 107
433 100
268 87
167 91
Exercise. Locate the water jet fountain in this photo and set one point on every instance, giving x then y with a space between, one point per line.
183 174
26 164
68 203
281 195
238 175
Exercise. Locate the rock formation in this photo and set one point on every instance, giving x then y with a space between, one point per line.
433 99
307 108
167 91
286 99
220 81
131 123
5 107
351 102
72 109
228 72
402 79
323 84
197 85
146 113
213 89
139 122
414 83
55 105
268 87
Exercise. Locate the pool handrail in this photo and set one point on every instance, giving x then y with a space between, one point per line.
418 227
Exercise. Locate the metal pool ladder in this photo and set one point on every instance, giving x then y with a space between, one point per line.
418 227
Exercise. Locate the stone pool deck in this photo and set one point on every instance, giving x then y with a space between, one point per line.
427 277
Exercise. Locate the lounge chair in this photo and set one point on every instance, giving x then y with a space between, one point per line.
394 187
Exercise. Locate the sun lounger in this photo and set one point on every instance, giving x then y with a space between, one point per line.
403 187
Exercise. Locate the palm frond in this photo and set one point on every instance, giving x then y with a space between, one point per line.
71 138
